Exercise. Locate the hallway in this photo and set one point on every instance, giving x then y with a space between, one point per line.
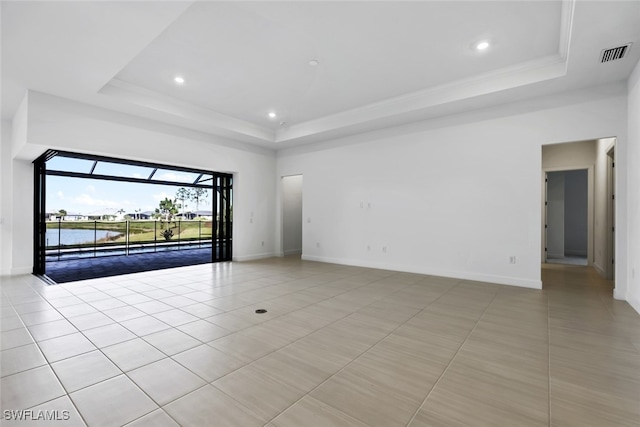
594 349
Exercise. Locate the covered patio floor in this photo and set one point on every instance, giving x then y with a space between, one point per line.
105 266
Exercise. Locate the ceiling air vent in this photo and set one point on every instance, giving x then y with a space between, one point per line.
614 53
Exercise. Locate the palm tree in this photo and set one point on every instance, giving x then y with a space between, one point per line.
62 213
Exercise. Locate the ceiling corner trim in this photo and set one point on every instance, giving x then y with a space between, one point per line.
531 72
176 111
566 27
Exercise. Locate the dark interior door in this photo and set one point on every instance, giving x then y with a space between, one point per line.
223 218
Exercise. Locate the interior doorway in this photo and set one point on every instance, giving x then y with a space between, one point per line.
596 156
292 215
567 217
611 214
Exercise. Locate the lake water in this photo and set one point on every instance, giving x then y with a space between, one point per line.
72 236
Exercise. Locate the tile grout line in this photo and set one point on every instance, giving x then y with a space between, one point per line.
454 356
494 300
361 354
310 333
275 379
117 321
48 363
67 393
171 357
100 349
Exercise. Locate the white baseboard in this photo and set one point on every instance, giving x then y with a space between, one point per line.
254 256
18 271
21 270
575 253
293 252
633 302
463 275
599 269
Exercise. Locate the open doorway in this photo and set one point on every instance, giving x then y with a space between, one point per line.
97 216
292 215
567 217
564 166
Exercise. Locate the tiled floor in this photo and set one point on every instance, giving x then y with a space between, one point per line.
338 346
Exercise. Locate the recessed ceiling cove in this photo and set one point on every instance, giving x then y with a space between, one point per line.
241 60
327 69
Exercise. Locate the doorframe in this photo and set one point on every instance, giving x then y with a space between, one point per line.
590 208
610 269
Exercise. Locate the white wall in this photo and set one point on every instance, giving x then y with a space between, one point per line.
5 199
633 157
59 124
455 196
292 214
569 155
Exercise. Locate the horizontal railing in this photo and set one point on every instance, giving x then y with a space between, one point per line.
82 239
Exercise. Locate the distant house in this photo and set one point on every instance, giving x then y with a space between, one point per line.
107 214
70 216
140 215
208 215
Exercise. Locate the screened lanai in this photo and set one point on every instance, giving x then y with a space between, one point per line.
97 216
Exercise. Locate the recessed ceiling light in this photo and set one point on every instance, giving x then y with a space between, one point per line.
272 115
483 45
314 62
179 80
